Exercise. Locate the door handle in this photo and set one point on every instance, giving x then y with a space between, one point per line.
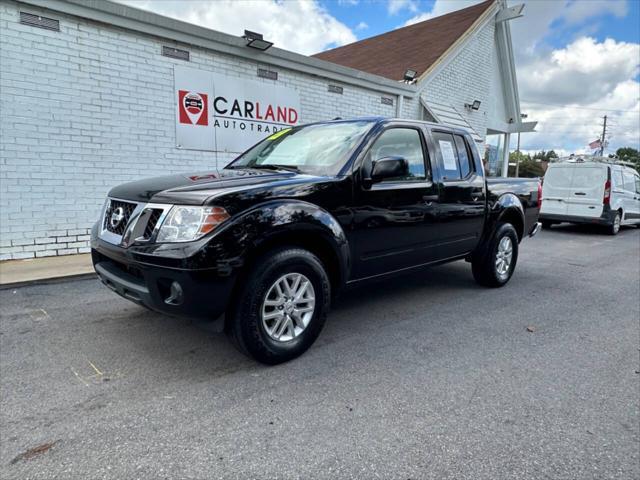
579 193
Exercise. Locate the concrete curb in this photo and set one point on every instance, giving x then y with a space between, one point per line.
47 281
16 273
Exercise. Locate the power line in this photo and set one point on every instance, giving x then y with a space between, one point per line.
579 108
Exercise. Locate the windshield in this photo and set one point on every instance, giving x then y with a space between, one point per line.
315 149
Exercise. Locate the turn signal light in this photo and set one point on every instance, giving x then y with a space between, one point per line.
213 217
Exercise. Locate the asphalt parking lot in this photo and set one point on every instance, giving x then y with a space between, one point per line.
424 376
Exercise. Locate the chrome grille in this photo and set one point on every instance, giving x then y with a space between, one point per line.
139 222
113 207
155 215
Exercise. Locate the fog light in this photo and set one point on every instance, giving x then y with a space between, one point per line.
175 294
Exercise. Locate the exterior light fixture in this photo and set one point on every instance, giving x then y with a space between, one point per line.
255 40
410 75
473 106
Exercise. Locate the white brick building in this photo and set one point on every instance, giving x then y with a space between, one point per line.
87 101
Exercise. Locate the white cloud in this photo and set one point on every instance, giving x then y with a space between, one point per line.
396 6
586 79
590 78
302 26
362 26
583 72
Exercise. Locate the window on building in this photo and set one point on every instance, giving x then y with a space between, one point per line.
400 142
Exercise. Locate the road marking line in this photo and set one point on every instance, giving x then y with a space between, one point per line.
79 377
95 368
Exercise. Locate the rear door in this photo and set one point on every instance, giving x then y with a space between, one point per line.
587 190
556 189
462 195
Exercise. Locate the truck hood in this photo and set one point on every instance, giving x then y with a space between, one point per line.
196 188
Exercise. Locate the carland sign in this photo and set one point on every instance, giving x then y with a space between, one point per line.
226 114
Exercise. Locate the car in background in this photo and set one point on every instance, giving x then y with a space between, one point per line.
602 192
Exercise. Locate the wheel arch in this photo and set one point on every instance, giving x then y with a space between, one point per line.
284 223
507 209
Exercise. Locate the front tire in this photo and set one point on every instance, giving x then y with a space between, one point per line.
494 267
282 306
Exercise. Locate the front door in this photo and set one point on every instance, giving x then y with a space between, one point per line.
393 220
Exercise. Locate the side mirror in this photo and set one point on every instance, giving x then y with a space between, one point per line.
389 167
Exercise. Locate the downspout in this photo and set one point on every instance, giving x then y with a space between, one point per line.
399 105
505 153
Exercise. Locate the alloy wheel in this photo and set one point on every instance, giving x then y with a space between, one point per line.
504 256
288 307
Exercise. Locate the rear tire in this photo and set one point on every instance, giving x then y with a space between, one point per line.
495 265
276 318
614 228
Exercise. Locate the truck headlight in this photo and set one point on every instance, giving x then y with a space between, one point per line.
185 224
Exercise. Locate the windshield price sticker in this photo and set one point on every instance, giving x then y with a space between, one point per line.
448 155
279 134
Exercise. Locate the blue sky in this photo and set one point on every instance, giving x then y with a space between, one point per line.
576 60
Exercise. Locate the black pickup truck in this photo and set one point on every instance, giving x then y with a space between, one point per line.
269 240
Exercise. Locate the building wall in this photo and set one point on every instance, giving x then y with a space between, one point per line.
467 77
92 106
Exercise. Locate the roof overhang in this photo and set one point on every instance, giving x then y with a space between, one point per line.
516 127
446 114
149 23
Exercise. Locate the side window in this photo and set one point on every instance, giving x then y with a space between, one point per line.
448 158
629 182
464 156
400 142
617 179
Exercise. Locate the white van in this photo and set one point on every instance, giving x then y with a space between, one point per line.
591 191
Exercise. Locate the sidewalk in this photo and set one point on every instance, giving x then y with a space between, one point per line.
14 272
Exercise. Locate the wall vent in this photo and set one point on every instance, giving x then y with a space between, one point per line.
39 22
386 101
175 53
270 74
336 89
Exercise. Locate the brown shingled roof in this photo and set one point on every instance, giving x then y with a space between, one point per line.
415 47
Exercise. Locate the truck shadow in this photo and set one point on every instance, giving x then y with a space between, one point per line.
586 229
179 348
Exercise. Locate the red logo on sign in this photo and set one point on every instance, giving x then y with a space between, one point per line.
193 108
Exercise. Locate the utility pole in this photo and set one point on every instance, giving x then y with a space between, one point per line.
604 135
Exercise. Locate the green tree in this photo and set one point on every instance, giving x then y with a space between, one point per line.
629 154
545 155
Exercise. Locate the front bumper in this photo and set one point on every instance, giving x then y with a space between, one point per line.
203 293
